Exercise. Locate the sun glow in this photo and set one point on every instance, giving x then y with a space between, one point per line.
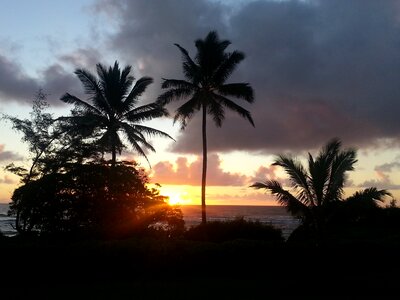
174 199
177 195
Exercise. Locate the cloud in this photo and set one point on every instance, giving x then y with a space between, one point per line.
55 79
320 69
388 167
382 182
14 84
185 173
8 155
8 180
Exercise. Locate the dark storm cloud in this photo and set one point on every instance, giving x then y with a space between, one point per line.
320 69
55 80
147 31
14 84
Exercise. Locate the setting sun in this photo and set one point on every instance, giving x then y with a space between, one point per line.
178 195
174 199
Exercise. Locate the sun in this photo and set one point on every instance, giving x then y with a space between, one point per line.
174 199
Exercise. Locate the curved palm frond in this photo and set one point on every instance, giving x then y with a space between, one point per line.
239 90
93 89
341 163
151 131
173 95
215 109
70 99
369 194
186 111
178 84
146 112
138 89
227 67
190 69
236 108
126 81
319 176
284 197
298 177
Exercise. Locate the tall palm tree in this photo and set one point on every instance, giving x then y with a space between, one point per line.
111 109
205 89
316 191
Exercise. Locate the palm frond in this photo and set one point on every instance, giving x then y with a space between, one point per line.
146 112
186 111
190 69
239 90
236 108
369 194
150 131
135 137
341 163
174 95
319 170
70 99
215 109
226 68
138 89
178 84
92 88
284 197
297 175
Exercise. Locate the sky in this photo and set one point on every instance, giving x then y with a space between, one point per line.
319 68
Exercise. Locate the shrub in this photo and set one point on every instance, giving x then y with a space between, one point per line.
239 228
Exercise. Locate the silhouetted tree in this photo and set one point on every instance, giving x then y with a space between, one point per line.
94 199
111 108
50 143
206 89
317 193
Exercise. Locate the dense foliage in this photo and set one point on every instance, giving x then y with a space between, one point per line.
96 199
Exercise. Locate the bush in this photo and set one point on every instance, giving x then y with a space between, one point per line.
238 228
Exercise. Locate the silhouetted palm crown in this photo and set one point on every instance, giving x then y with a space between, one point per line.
112 109
314 191
205 84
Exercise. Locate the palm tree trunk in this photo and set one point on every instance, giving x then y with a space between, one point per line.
113 156
204 174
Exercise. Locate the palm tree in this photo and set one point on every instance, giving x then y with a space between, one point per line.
111 109
205 89
317 191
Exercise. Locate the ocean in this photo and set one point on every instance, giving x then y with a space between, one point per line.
6 222
274 215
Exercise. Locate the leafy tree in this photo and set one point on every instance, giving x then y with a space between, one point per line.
317 192
206 90
111 109
51 145
94 199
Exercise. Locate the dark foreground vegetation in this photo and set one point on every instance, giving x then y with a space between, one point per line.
239 259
